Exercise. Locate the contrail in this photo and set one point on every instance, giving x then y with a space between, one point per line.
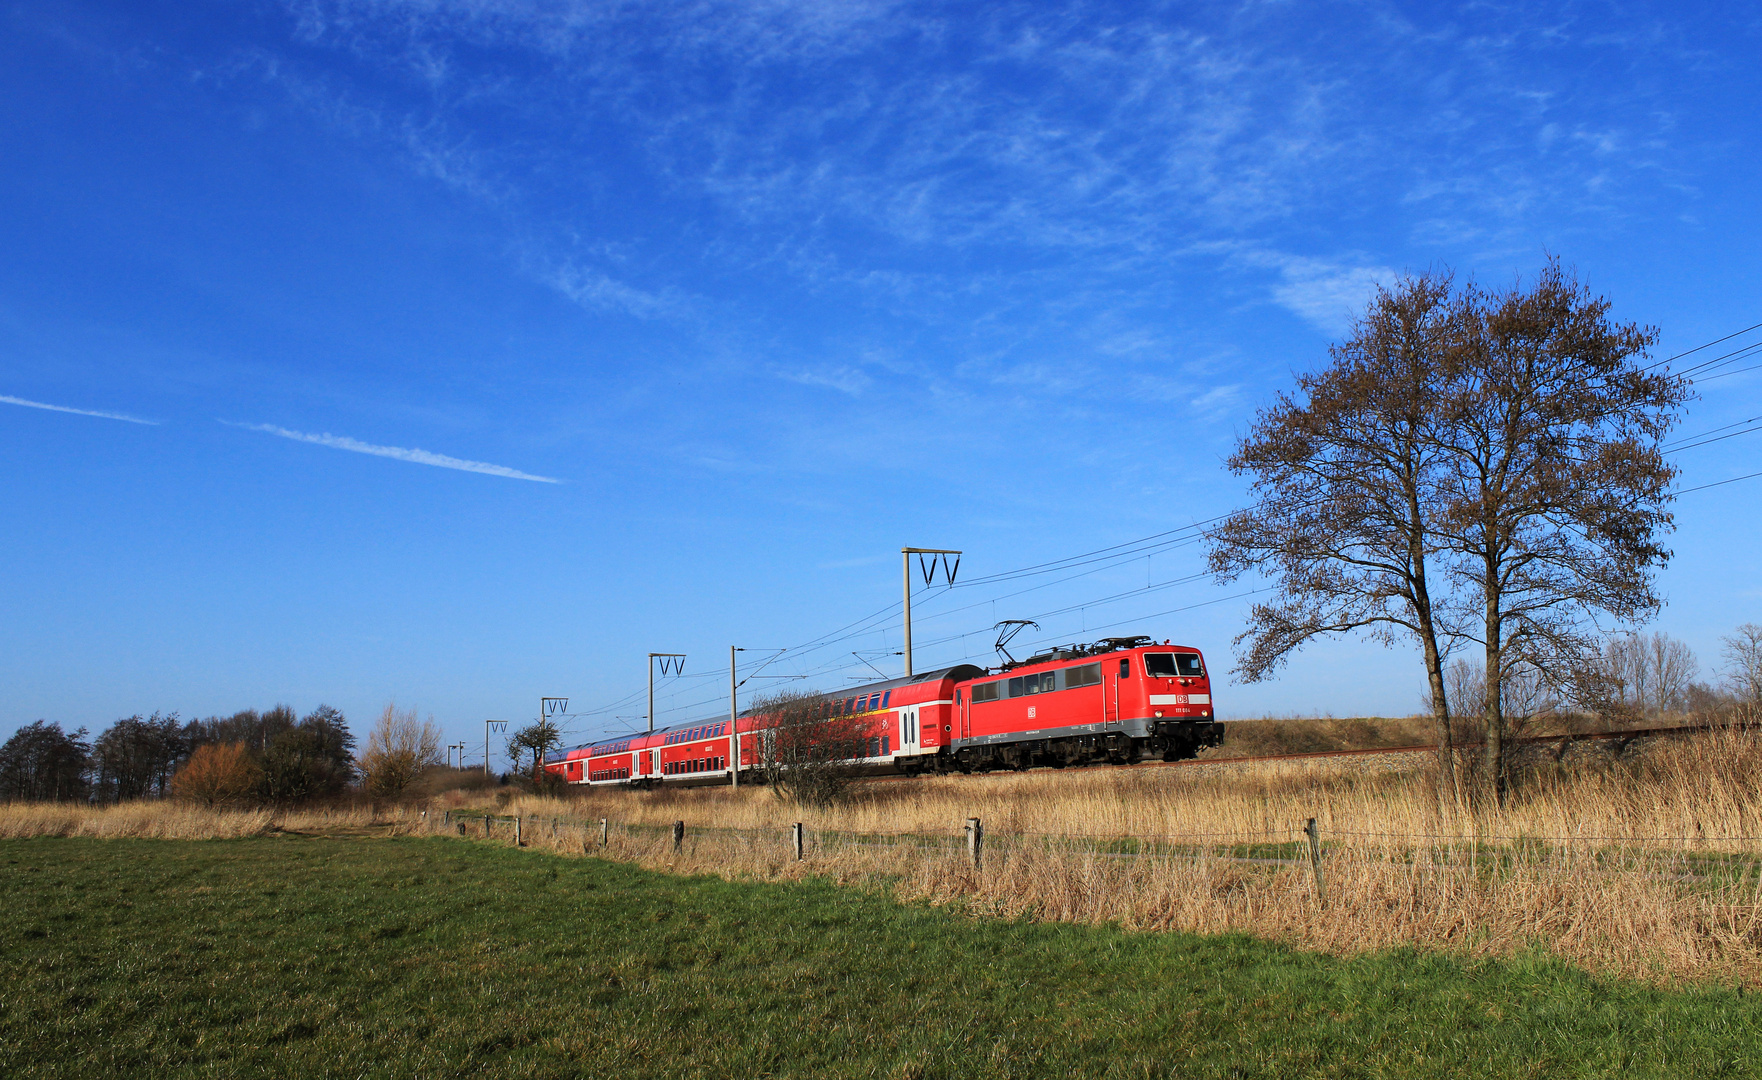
77 412
398 453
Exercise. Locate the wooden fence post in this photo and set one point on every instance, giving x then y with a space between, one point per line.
486 826
518 819
975 840
605 833
1314 834
795 839
678 834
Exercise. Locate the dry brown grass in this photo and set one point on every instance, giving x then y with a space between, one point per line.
169 820
1613 862
1626 916
1700 790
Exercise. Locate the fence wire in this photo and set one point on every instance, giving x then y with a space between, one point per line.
1694 858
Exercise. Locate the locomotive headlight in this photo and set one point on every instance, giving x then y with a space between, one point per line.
1159 713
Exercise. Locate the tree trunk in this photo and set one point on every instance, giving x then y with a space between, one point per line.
1495 681
1428 634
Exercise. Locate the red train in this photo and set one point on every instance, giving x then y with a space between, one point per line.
1120 700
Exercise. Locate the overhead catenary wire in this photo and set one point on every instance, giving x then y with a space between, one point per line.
1111 556
1708 345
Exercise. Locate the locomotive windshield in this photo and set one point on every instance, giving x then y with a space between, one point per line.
1173 665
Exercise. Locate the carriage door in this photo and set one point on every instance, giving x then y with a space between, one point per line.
908 730
655 762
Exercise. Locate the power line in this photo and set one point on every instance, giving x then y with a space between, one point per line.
1113 555
1719 483
1708 345
1710 431
1087 557
1708 365
1718 438
1723 374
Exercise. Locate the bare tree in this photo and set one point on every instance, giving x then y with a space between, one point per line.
1646 673
1527 697
1671 669
312 759
135 757
807 745
400 748
41 761
1472 465
1465 681
1743 662
533 742
1554 490
1344 477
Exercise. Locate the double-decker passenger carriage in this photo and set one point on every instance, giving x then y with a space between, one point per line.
1119 700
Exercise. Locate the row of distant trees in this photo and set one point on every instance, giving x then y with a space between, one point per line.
1633 677
275 756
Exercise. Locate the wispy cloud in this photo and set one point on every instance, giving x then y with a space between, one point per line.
595 290
1328 294
78 412
397 453
1091 142
843 378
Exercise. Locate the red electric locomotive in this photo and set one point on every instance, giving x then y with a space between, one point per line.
1119 700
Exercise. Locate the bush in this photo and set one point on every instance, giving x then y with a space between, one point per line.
806 747
218 774
400 749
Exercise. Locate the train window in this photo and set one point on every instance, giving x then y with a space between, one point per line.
1159 665
1189 664
1125 667
874 746
985 692
1015 687
885 698
886 745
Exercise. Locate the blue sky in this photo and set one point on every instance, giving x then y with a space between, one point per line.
479 349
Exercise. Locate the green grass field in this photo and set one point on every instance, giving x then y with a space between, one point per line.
300 956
